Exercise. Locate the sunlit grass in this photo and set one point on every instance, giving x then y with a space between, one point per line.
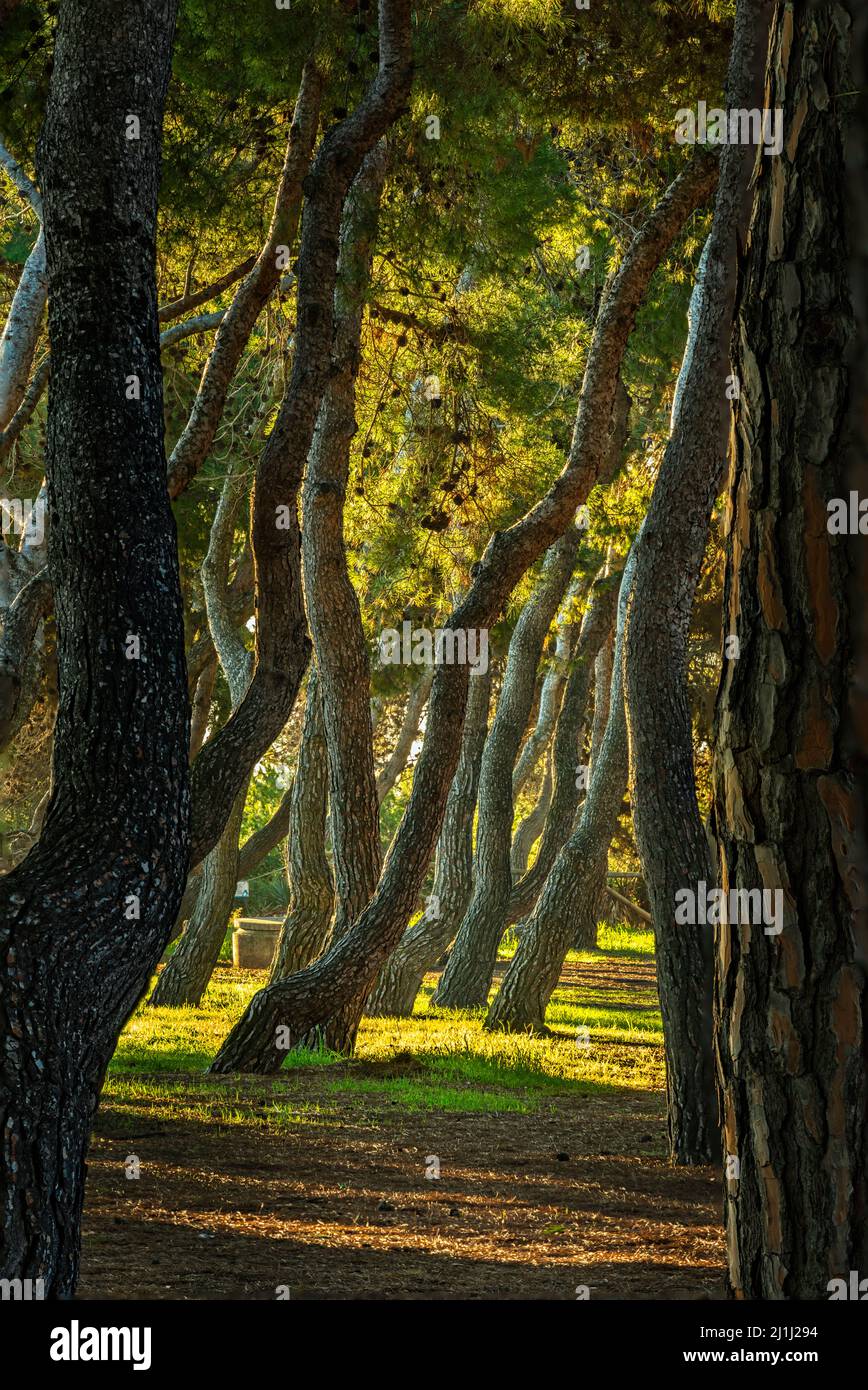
457 1065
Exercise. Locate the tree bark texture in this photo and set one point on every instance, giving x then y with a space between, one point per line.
305 928
332 603
790 1007
84 918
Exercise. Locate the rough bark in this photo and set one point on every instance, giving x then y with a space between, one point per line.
332 603
467 978
571 888
305 928
202 706
790 1007
422 945
86 915
21 332
670 835
352 963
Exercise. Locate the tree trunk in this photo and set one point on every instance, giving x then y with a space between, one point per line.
571 888
790 1005
332 603
185 977
84 918
586 929
423 944
530 829
467 978
670 835
305 928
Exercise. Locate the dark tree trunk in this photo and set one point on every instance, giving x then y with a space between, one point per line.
670 835
423 944
305 928
571 888
84 918
790 1007
467 978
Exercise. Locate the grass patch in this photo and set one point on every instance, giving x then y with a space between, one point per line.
419 1095
162 1056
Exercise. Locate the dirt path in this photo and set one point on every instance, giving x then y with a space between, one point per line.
337 1205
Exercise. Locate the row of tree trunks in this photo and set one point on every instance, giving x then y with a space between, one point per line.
423 944
467 978
572 888
282 644
85 917
551 692
569 785
790 1007
308 918
351 965
670 835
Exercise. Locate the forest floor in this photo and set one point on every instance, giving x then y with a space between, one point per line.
312 1185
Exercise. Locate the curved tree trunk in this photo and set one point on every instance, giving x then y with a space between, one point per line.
305 928
422 945
466 980
530 829
551 695
571 888
332 603
202 706
84 918
669 832
790 1004
588 920
352 963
